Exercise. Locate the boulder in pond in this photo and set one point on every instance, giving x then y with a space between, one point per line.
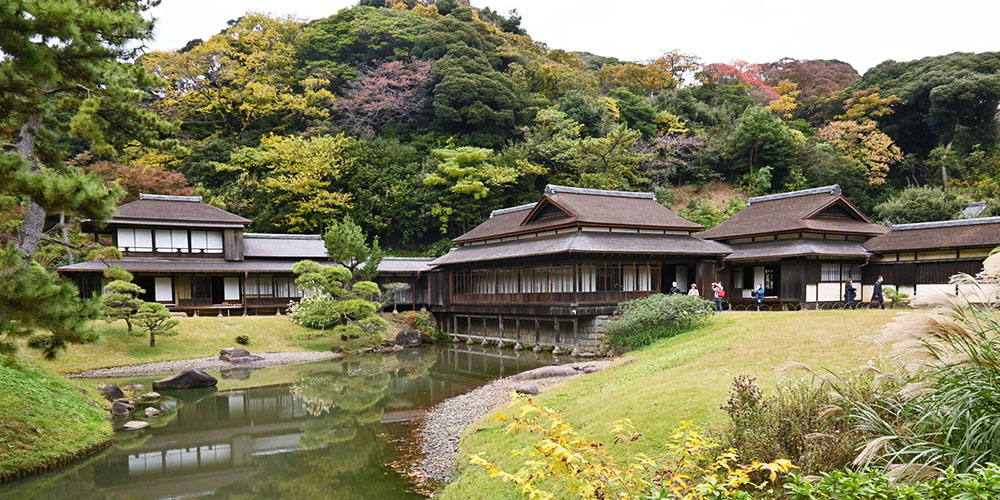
121 409
546 372
152 412
132 388
337 349
187 379
529 389
112 392
410 338
237 355
151 396
134 425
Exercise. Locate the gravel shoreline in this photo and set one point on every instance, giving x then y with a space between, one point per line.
206 364
440 432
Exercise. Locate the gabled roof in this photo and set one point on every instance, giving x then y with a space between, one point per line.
781 249
593 207
961 233
289 246
820 210
586 242
175 211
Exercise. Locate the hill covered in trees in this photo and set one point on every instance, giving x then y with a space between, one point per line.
416 119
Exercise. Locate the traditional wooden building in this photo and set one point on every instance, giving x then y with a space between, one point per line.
545 271
919 259
801 245
194 257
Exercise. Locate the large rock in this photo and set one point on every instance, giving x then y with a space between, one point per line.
121 409
530 389
233 352
151 396
134 425
152 412
112 392
237 355
546 372
187 379
132 388
410 338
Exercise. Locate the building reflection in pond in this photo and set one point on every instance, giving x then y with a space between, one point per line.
325 435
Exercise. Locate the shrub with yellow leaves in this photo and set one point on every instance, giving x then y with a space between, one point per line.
564 463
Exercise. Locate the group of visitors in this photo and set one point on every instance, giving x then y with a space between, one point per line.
850 294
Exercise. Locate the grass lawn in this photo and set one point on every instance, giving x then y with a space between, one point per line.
683 378
45 420
197 338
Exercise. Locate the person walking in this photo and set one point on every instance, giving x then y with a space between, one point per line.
718 292
877 294
758 296
694 290
850 293
674 290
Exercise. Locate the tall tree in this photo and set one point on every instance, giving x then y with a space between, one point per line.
64 74
387 92
347 245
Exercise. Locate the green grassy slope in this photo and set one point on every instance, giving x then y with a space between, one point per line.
45 420
683 378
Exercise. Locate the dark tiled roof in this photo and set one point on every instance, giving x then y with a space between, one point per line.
300 246
184 209
404 264
790 212
796 248
583 242
585 207
190 266
963 233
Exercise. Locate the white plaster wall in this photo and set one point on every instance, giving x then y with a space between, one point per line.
828 292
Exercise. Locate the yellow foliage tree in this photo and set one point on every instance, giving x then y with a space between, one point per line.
690 468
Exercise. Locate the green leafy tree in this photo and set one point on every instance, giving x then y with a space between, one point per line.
920 204
347 245
471 95
762 139
65 80
609 162
121 297
294 179
155 319
241 81
638 114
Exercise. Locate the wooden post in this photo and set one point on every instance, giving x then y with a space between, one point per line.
538 337
500 324
517 334
576 336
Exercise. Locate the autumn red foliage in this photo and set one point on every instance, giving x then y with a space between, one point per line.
136 179
386 92
743 72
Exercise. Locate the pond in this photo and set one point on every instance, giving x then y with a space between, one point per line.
309 431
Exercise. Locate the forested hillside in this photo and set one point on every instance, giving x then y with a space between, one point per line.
416 119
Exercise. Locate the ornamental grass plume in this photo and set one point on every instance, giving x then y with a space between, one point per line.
947 413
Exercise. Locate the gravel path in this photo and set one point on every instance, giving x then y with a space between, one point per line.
440 432
207 364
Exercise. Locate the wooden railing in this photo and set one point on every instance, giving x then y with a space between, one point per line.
554 298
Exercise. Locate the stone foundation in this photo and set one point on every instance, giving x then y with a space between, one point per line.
574 334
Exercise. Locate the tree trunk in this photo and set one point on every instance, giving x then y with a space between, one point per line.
65 235
152 339
34 219
129 323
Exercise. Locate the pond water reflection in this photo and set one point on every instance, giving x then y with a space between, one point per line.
319 430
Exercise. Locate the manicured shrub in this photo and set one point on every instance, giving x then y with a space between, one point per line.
640 322
243 339
423 322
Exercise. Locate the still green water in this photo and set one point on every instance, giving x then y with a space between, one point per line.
310 431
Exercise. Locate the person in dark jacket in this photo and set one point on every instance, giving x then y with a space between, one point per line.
850 293
877 294
674 290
